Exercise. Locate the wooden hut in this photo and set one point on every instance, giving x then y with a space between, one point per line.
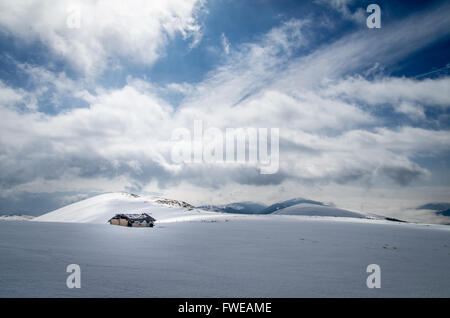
133 220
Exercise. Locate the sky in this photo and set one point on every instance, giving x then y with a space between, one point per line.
91 93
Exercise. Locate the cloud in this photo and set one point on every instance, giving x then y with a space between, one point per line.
92 35
409 97
329 132
342 6
358 52
225 44
10 96
430 92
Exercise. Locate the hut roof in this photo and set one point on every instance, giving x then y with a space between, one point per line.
135 217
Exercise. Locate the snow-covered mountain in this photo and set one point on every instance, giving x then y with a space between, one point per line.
246 207
318 210
249 207
100 208
296 206
285 204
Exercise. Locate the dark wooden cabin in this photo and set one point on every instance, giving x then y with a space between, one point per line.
133 220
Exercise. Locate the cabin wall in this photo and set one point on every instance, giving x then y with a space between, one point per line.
136 224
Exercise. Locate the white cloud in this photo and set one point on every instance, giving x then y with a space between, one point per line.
10 96
225 44
137 30
342 6
359 51
430 92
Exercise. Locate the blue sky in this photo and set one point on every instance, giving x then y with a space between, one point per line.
363 113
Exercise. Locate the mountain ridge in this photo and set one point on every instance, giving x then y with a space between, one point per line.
101 208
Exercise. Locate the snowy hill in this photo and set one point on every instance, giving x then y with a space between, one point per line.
296 206
318 210
246 207
100 208
285 204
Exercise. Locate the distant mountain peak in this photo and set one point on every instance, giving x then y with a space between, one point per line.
243 207
288 203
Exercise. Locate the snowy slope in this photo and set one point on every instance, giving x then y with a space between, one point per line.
248 256
100 208
318 210
289 253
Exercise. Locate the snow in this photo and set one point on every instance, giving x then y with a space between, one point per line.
194 253
251 256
